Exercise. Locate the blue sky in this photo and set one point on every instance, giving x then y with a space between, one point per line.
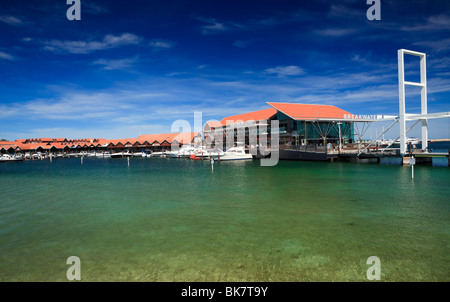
134 67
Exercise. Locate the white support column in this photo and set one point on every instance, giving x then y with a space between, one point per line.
423 97
401 96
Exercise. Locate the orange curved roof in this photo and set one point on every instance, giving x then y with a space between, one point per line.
309 111
255 116
213 124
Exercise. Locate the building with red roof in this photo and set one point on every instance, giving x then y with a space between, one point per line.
309 124
309 112
299 125
154 142
239 126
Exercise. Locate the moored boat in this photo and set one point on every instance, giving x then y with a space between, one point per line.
8 158
216 154
173 154
121 154
235 153
138 154
186 151
103 155
159 154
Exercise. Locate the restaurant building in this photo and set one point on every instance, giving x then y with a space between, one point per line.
298 125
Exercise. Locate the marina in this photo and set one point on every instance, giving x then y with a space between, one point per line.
330 153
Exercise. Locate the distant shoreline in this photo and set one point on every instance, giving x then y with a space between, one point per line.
440 140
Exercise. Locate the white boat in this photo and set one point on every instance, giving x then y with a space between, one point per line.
186 151
200 153
235 153
216 154
159 154
411 140
102 155
121 154
38 155
173 154
203 153
7 157
385 142
146 154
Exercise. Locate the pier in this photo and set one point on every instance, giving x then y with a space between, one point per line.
315 153
421 158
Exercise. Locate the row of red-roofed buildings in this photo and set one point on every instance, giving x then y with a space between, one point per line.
153 142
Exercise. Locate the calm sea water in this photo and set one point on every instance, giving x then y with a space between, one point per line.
181 220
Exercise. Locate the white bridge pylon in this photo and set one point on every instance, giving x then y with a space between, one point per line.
423 97
403 117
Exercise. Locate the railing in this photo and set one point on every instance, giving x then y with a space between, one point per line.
307 148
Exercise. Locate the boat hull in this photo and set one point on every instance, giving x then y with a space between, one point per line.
229 158
120 155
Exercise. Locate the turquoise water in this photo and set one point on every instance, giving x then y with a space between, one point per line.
181 220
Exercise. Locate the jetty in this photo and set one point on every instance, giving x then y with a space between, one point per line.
351 154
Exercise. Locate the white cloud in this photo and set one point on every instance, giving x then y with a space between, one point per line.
213 26
436 85
161 44
433 23
5 56
279 18
359 59
76 105
283 71
83 47
336 32
436 45
11 20
441 62
8 111
116 64
343 11
94 8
